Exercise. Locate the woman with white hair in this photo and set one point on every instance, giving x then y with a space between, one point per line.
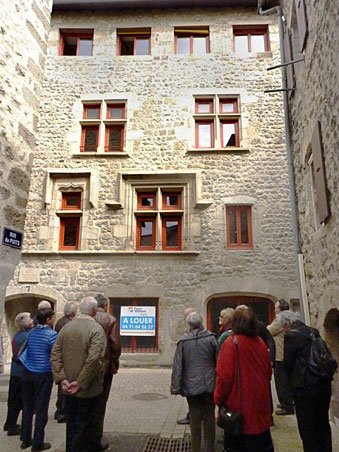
23 322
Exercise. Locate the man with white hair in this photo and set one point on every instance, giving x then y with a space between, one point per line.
43 304
77 363
193 376
70 311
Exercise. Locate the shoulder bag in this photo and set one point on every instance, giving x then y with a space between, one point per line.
233 421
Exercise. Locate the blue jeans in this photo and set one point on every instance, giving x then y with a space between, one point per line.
36 392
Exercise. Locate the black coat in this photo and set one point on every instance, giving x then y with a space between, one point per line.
297 345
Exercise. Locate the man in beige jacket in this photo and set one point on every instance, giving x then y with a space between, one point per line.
280 374
77 363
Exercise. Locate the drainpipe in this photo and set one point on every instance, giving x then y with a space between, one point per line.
299 257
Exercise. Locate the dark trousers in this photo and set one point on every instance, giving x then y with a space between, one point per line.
14 403
249 443
312 404
60 404
202 409
80 415
99 418
282 385
36 392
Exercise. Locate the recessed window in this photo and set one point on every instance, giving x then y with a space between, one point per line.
69 233
89 138
146 201
171 233
228 105
134 42
239 227
71 200
146 233
250 40
114 139
171 201
92 111
76 44
204 106
115 111
229 131
204 134
191 40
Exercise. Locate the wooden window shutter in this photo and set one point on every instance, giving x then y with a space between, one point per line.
302 22
319 175
289 57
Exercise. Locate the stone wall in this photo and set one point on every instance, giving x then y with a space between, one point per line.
316 98
23 30
159 90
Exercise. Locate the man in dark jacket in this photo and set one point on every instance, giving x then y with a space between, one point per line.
111 362
310 393
70 311
193 376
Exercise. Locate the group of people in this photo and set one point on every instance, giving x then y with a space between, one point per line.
234 371
81 355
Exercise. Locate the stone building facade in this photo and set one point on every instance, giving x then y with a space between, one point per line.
313 108
24 30
155 214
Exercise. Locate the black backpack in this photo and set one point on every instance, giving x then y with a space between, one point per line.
321 362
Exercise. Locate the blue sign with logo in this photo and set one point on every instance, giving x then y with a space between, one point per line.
12 238
137 321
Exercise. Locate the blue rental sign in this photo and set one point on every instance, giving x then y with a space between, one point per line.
12 238
137 321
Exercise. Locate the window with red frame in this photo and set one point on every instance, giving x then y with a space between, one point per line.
171 201
204 134
92 111
204 106
171 233
191 40
239 227
136 344
147 201
134 42
229 133
71 201
146 233
69 233
114 138
89 138
228 105
250 40
116 111
74 43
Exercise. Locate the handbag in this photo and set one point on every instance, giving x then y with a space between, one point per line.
232 421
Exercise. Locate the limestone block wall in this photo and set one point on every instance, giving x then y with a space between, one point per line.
23 45
316 98
159 91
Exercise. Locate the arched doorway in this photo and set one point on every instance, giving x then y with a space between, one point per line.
263 307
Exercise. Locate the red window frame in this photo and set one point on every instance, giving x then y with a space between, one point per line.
123 111
212 139
91 107
236 129
122 138
74 35
141 196
83 138
249 32
175 207
232 101
199 102
191 36
239 244
139 221
135 38
63 222
67 195
116 303
165 219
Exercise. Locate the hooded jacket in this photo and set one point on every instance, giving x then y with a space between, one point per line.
194 363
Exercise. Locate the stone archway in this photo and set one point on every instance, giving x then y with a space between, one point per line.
331 329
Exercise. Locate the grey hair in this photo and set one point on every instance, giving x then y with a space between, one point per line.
102 300
22 320
44 304
70 308
87 305
194 320
288 318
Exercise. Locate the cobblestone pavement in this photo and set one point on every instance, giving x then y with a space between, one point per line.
140 405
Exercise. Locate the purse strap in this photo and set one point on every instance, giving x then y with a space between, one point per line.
235 340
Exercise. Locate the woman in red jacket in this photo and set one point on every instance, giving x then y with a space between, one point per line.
255 375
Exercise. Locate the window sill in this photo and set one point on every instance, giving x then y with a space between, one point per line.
100 154
68 212
219 150
108 253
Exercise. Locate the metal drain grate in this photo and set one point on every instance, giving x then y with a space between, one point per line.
156 444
